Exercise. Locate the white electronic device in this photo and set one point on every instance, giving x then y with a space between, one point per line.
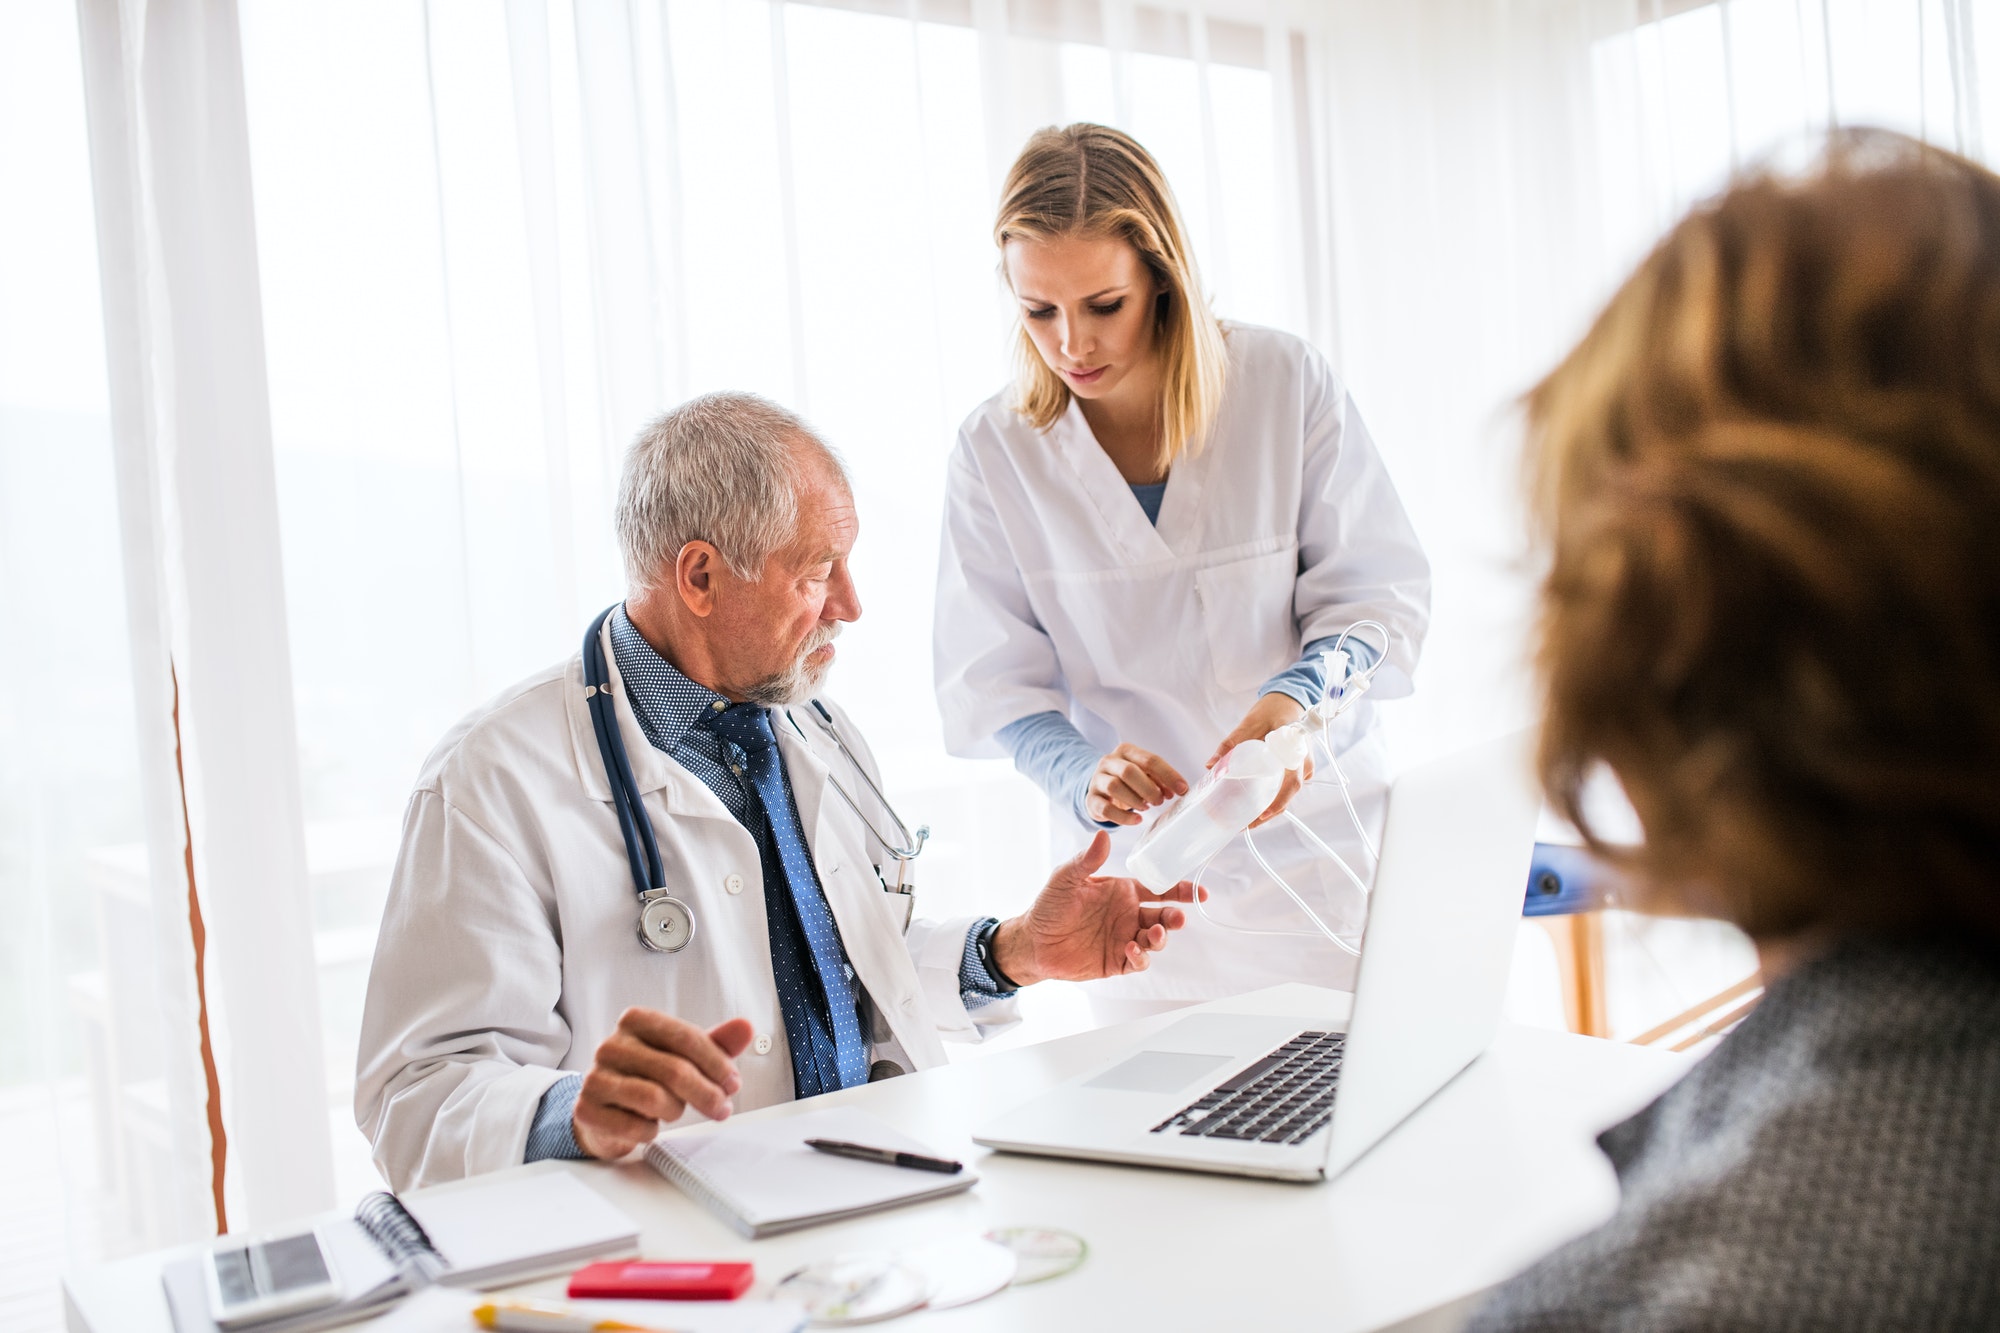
1255 1094
253 1282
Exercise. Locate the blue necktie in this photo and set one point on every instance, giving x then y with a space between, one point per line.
811 967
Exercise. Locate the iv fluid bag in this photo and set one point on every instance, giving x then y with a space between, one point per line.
1240 787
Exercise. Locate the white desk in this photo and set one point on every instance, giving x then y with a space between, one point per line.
1493 1172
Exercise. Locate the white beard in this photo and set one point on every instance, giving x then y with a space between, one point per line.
798 682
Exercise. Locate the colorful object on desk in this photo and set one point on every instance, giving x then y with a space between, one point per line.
854 1289
861 1152
661 1280
1041 1253
520 1315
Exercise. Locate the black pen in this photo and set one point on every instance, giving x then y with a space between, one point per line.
861 1152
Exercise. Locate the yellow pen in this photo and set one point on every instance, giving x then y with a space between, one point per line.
528 1316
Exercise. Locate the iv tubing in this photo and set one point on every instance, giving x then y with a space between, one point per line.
1291 893
1333 760
1219 924
1322 719
1314 839
1324 929
1202 907
1347 798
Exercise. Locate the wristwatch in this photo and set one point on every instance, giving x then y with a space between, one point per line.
983 942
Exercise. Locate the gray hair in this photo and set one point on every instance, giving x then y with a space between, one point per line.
723 468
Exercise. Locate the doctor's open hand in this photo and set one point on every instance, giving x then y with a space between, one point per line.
650 1070
1269 713
1127 781
1084 925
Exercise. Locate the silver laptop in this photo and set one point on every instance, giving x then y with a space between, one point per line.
1255 1095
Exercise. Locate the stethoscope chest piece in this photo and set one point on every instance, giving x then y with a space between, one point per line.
666 924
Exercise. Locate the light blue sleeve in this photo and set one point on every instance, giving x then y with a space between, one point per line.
551 1135
1053 754
1305 680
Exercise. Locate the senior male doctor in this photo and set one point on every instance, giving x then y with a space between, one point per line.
513 1011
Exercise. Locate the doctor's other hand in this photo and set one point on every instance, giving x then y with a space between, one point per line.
1084 925
1266 716
1127 781
647 1072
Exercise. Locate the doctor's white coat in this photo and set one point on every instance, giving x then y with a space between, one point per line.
508 948
1055 592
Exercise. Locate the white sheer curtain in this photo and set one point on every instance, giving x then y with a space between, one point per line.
379 331
177 247
103 1097
75 1182
1498 168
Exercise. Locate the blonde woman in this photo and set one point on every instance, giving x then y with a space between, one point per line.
1147 540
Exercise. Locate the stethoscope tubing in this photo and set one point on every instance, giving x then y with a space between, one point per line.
907 849
633 822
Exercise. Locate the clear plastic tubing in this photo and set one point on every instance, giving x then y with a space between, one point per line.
1240 787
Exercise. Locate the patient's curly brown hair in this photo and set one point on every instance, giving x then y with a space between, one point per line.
1768 480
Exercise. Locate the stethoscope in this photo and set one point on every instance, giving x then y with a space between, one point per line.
666 924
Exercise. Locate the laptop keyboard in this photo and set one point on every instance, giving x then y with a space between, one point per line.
1285 1097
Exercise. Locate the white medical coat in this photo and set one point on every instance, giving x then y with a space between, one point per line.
508 948
1056 593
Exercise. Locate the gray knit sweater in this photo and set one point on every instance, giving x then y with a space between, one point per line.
1835 1164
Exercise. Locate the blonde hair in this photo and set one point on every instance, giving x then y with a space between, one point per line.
1091 180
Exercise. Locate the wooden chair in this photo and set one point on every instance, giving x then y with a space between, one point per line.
1568 892
1710 1018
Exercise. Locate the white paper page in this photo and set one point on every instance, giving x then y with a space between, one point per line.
508 1223
442 1310
766 1170
361 1265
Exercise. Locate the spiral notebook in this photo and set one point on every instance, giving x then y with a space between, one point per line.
759 1176
481 1232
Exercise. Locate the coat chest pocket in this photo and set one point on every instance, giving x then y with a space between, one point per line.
1246 610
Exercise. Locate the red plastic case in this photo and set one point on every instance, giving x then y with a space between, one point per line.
661 1280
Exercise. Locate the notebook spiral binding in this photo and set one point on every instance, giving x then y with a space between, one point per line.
398 1235
691 1181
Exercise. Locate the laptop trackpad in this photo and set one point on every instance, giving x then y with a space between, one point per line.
1157 1071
